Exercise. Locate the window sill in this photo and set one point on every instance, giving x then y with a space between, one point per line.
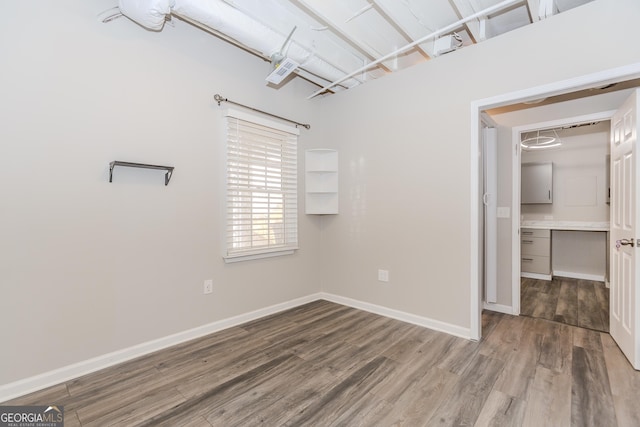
248 257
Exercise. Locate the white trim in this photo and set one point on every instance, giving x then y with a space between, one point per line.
403 316
568 121
613 75
515 223
267 254
259 119
499 308
537 276
573 275
475 295
66 373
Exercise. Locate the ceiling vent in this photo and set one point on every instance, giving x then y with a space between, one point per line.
282 65
446 44
282 70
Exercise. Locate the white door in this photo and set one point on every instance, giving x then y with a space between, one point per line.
490 202
625 224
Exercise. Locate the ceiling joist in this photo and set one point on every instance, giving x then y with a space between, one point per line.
361 46
343 43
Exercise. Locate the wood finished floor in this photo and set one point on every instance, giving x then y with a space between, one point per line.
582 303
324 364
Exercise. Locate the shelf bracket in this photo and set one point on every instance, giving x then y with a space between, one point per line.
167 175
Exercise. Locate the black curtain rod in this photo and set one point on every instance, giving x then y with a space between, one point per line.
220 100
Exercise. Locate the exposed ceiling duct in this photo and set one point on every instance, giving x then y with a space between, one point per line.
221 17
340 44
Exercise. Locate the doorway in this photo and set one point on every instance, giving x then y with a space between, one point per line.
573 87
564 219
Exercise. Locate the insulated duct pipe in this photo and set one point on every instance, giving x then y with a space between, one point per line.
225 19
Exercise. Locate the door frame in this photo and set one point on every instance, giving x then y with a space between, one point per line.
515 189
613 75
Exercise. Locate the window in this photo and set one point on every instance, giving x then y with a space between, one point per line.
262 197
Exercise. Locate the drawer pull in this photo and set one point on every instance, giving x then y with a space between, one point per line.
527 259
527 241
528 233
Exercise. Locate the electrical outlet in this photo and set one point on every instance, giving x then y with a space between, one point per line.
383 275
208 286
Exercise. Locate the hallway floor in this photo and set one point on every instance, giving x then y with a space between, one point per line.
582 303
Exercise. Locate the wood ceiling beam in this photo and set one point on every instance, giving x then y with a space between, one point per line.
477 27
387 15
366 51
540 9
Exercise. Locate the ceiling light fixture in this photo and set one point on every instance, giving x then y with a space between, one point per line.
540 141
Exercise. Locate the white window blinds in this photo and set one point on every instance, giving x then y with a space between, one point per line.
262 200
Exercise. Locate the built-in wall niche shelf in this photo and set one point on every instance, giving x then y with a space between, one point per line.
167 176
321 182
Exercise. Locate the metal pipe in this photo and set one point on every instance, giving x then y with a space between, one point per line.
219 99
451 27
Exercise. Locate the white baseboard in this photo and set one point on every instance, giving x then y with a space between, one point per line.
536 276
500 308
66 373
572 275
400 315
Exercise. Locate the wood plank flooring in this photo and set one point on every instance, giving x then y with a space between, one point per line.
323 364
582 303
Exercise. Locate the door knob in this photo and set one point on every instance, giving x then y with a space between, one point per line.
624 242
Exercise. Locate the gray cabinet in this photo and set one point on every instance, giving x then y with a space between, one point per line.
536 183
535 253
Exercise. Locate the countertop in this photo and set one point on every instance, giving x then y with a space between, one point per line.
566 225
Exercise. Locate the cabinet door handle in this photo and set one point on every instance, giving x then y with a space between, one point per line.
549 194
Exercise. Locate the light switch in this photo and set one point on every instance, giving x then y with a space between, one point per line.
383 275
504 212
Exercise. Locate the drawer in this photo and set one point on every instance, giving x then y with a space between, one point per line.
535 246
534 232
535 264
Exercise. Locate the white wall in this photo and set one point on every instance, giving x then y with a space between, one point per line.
579 194
88 267
404 145
579 176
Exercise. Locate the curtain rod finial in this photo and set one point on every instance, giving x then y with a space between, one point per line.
218 98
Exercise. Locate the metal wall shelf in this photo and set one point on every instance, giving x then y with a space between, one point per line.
115 163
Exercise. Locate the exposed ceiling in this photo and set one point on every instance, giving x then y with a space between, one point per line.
340 44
